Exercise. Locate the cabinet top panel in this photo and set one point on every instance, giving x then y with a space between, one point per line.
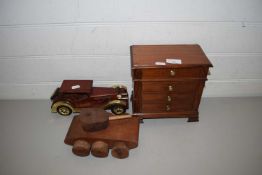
178 55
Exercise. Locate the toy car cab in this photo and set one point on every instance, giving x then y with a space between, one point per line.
76 94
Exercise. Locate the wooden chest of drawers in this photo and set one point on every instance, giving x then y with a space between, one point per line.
168 90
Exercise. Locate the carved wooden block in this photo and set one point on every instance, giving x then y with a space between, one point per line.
94 119
121 135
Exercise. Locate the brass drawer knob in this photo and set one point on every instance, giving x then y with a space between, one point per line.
169 99
172 72
167 108
170 88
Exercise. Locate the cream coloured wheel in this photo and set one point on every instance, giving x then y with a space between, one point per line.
64 110
118 109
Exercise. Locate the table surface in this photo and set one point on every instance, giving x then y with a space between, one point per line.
226 140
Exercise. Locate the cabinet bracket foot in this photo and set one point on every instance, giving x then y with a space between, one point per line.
193 119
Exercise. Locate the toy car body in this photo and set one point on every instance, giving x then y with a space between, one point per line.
76 94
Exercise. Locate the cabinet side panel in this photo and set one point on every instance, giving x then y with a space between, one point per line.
198 95
137 97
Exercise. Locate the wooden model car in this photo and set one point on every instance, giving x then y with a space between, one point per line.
76 94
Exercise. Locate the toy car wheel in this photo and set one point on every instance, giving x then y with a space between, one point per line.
118 109
64 110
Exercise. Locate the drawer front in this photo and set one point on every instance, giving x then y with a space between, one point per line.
165 107
168 98
183 87
166 73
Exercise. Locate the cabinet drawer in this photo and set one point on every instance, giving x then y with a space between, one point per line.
180 87
163 107
166 73
168 98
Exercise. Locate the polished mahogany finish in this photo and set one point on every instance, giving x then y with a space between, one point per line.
74 95
164 90
76 86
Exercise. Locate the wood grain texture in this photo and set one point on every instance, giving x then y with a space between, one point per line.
81 148
190 54
100 149
172 89
120 150
93 119
124 130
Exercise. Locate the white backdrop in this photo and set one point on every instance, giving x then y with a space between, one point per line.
44 42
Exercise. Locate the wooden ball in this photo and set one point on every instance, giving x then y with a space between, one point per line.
99 149
120 150
81 148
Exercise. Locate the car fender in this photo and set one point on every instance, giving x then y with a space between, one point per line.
114 102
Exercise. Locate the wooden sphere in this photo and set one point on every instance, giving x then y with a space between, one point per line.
81 148
99 149
120 150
